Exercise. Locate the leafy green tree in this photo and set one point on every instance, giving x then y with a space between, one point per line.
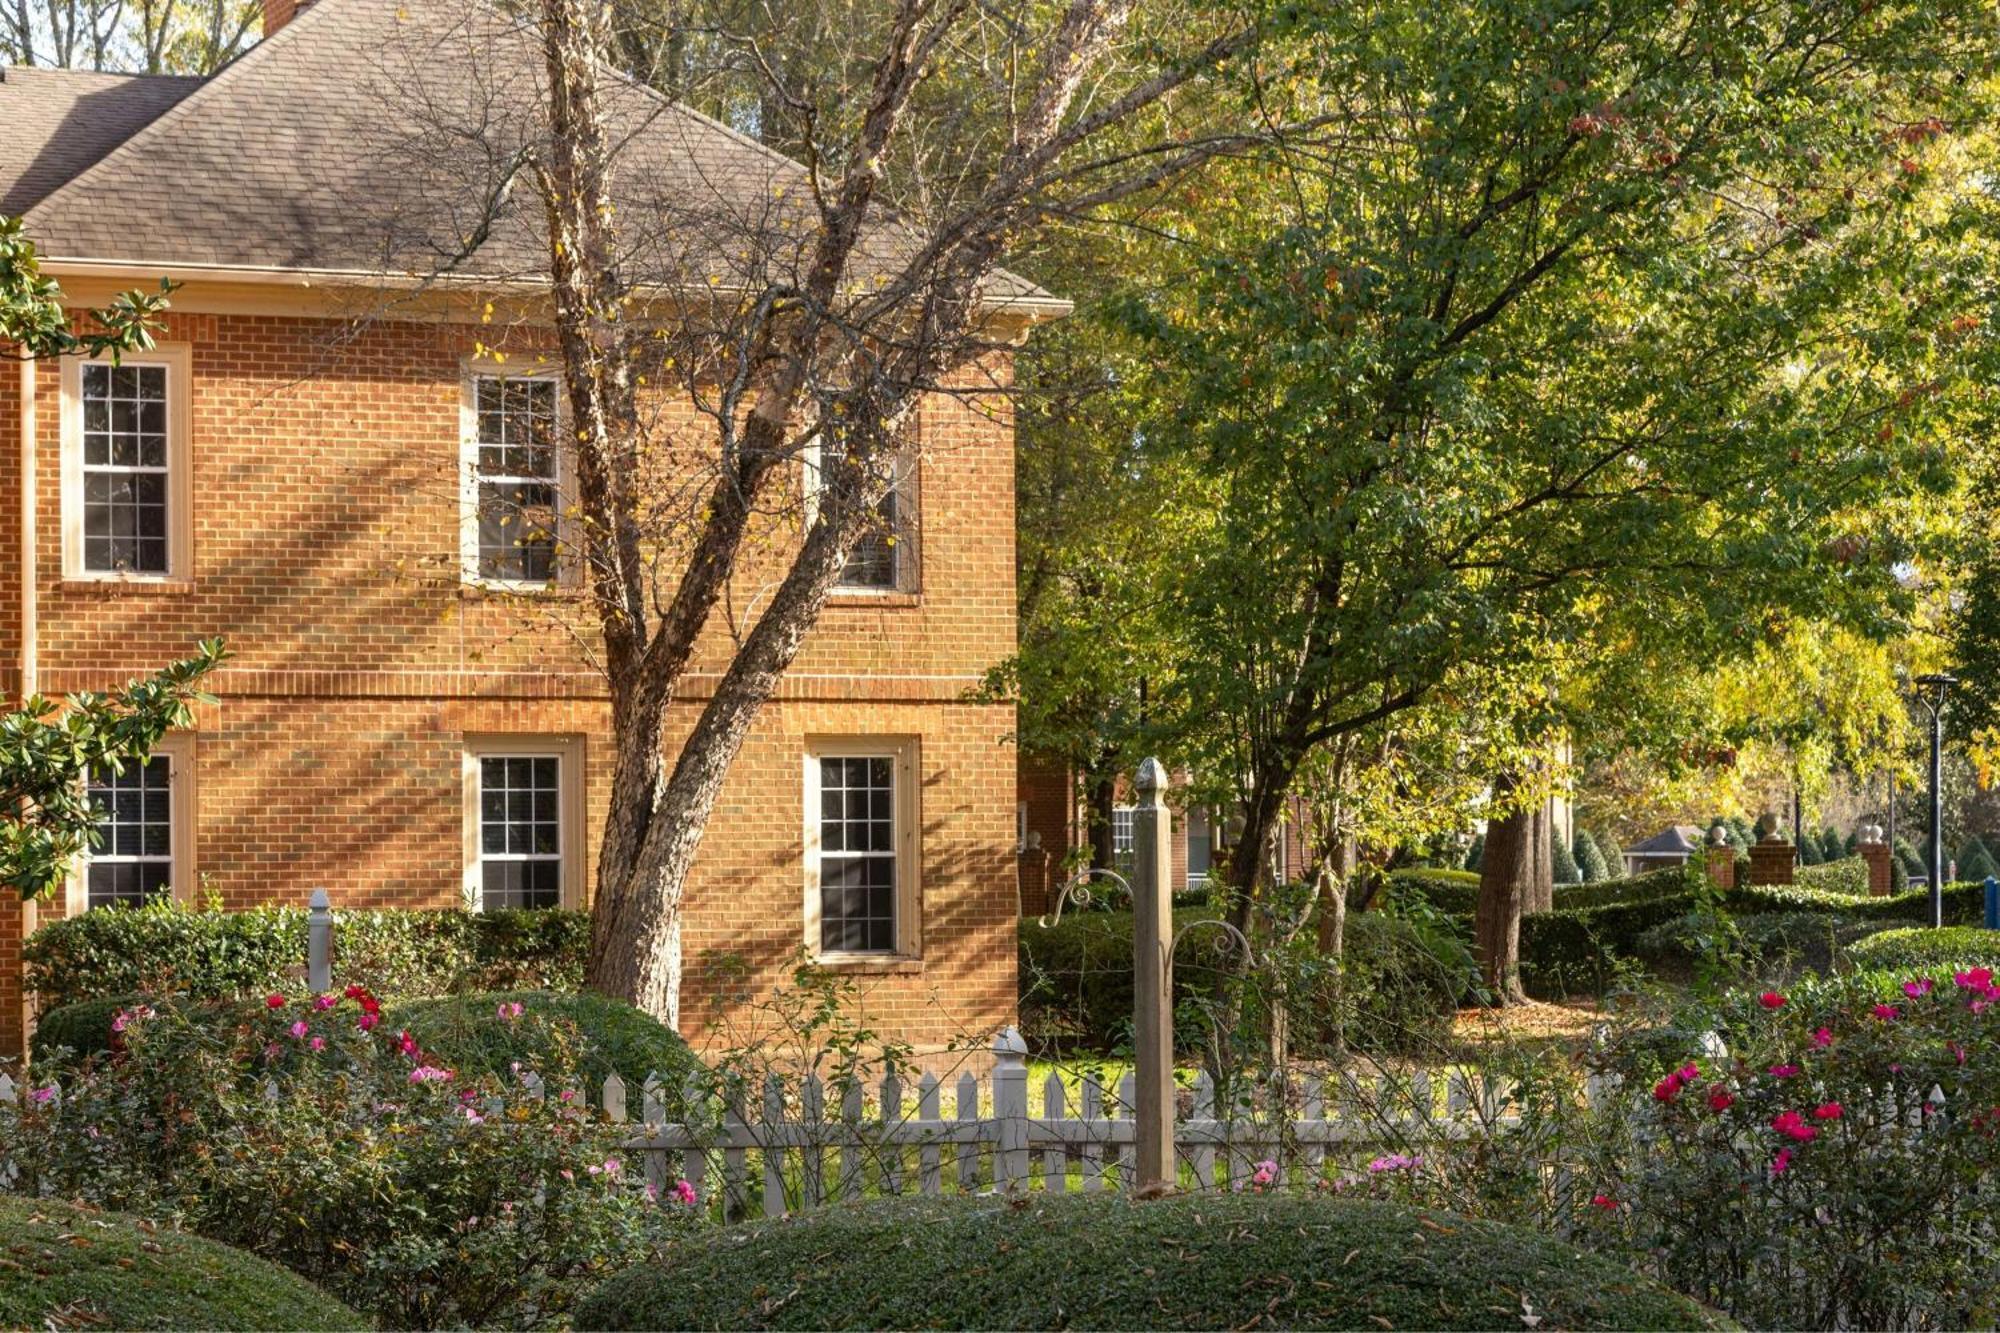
47 752
1808 849
35 323
1580 317
1475 854
1831 847
1975 860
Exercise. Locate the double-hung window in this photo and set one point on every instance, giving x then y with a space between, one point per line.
1124 853
886 555
145 830
127 512
860 848
514 481
523 823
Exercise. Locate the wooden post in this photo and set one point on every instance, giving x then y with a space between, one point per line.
319 944
1010 1108
1152 945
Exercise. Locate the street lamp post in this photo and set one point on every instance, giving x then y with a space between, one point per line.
1931 691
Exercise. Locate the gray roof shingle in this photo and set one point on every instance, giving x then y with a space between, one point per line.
373 137
62 121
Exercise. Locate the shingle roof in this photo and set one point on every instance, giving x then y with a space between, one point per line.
61 121
1675 840
371 137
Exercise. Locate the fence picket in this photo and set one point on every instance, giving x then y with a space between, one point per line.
614 1099
968 1132
1313 1113
1093 1144
892 1148
774 1157
930 1179
1055 1161
853 1152
735 1158
694 1158
1203 1152
1123 1155
812 1157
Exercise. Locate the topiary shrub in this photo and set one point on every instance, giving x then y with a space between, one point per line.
482 1032
1964 904
83 1028
1847 875
1563 861
1954 948
166 948
1975 861
1590 858
1103 1261
1455 892
68 1267
1475 854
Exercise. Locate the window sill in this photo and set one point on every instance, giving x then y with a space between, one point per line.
115 586
868 598
877 965
473 590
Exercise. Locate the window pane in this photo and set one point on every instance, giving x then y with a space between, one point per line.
520 831
873 561
133 859
857 866
125 457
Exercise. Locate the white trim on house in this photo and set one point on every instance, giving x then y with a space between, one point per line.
568 553
902 753
180 751
176 359
569 755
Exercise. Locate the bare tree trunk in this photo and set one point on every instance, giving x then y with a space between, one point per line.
1099 802
1506 875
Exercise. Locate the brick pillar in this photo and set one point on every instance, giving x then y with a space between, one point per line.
1722 866
1771 860
1881 861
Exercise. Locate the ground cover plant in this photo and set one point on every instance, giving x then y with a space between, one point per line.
63 1266
1103 1261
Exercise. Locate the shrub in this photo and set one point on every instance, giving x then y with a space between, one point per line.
1832 847
1590 858
481 1034
1975 862
1964 904
1105 1262
166 948
1401 988
1801 1176
1769 944
1578 950
69 1267
1455 892
314 1135
1474 854
1847 875
1953 948
83 1028
1564 862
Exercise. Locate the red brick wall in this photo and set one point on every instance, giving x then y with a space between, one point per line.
1051 801
326 548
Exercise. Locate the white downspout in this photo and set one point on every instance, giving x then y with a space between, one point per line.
30 661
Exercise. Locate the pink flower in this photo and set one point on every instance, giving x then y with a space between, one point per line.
119 1023
1888 1013
1794 1127
1266 1172
299 1029
406 1045
1667 1088
1721 1100
274 1001
508 1010
1978 978
1688 1072
684 1192
429 1074
322 1003
1782 1162
1957 1050
1394 1162
652 1192
1827 1111
1770 999
567 1174
1604 1201
317 1043
1822 1039
612 1166
1783 1071
1919 988
367 1022
43 1096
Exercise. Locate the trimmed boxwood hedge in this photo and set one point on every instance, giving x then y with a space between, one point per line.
66 1267
83 1028
1964 904
167 949
1103 1261
1076 982
467 1033
1954 947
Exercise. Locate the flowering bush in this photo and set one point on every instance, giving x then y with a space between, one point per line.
1828 1162
311 1132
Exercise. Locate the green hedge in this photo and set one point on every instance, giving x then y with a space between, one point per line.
1964 904
471 1034
1401 989
1848 875
1101 1261
1954 947
165 949
64 1267
1455 892
1577 950
83 1028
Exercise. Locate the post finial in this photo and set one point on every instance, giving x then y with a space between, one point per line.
1152 776
319 902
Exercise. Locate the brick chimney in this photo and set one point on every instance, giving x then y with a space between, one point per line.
277 13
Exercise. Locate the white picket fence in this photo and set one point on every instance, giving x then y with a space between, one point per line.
806 1144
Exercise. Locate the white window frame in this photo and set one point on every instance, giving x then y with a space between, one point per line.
904 752
178 360
179 750
569 564
1124 838
568 751
907 550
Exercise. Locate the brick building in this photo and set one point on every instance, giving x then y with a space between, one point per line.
410 718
